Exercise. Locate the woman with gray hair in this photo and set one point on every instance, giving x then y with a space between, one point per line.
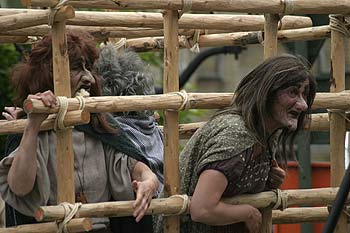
124 73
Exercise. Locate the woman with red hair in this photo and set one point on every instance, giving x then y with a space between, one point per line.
107 165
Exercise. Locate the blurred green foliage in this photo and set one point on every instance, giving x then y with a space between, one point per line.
8 57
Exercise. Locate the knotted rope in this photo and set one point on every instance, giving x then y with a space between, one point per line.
62 111
192 42
69 212
288 7
261 37
185 204
54 10
63 107
120 44
281 200
186 6
185 105
339 25
339 112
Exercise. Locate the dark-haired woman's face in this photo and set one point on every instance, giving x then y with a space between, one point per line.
288 105
81 78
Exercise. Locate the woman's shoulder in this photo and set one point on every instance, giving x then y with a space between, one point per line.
227 122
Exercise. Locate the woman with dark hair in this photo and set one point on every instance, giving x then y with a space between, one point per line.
107 165
244 148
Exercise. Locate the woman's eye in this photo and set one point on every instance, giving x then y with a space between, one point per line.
294 92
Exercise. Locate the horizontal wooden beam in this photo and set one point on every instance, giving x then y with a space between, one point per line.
75 225
232 39
247 6
339 100
29 19
174 204
229 22
72 118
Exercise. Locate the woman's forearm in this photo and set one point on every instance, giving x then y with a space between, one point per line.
143 174
222 214
21 177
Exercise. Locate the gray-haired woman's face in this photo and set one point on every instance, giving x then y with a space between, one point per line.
288 105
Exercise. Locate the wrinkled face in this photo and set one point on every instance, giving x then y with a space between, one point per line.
289 104
81 78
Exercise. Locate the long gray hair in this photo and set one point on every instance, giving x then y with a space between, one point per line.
256 94
124 73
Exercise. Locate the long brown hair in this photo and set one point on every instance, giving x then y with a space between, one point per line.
256 92
35 73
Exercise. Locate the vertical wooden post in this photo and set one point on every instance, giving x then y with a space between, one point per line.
64 150
337 122
171 124
270 50
270 35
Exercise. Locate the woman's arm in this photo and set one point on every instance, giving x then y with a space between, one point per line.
21 177
145 184
206 207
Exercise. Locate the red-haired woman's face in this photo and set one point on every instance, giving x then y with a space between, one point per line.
81 78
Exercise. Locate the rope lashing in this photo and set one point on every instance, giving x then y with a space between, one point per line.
69 212
185 204
185 105
80 96
120 44
261 37
337 24
54 10
186 7
288 7
63 107
281 200
62 111
195 41
192 42
339 112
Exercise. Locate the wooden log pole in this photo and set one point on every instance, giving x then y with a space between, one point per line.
319 122
46 3
232 39
13 39
171 117
339 100
187 21
75 225
337 121
72 118
226 22
28 19
300 215
211 39
64 146
270 32
173 204
247 6
270 50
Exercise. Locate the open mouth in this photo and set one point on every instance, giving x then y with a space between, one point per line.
86 88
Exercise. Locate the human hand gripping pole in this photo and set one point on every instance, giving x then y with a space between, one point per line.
276 175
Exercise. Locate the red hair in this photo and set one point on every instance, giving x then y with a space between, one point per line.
35 73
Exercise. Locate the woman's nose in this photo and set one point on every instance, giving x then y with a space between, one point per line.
88 77
301 104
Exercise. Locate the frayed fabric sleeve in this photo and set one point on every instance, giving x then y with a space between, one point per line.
119 168
39 196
